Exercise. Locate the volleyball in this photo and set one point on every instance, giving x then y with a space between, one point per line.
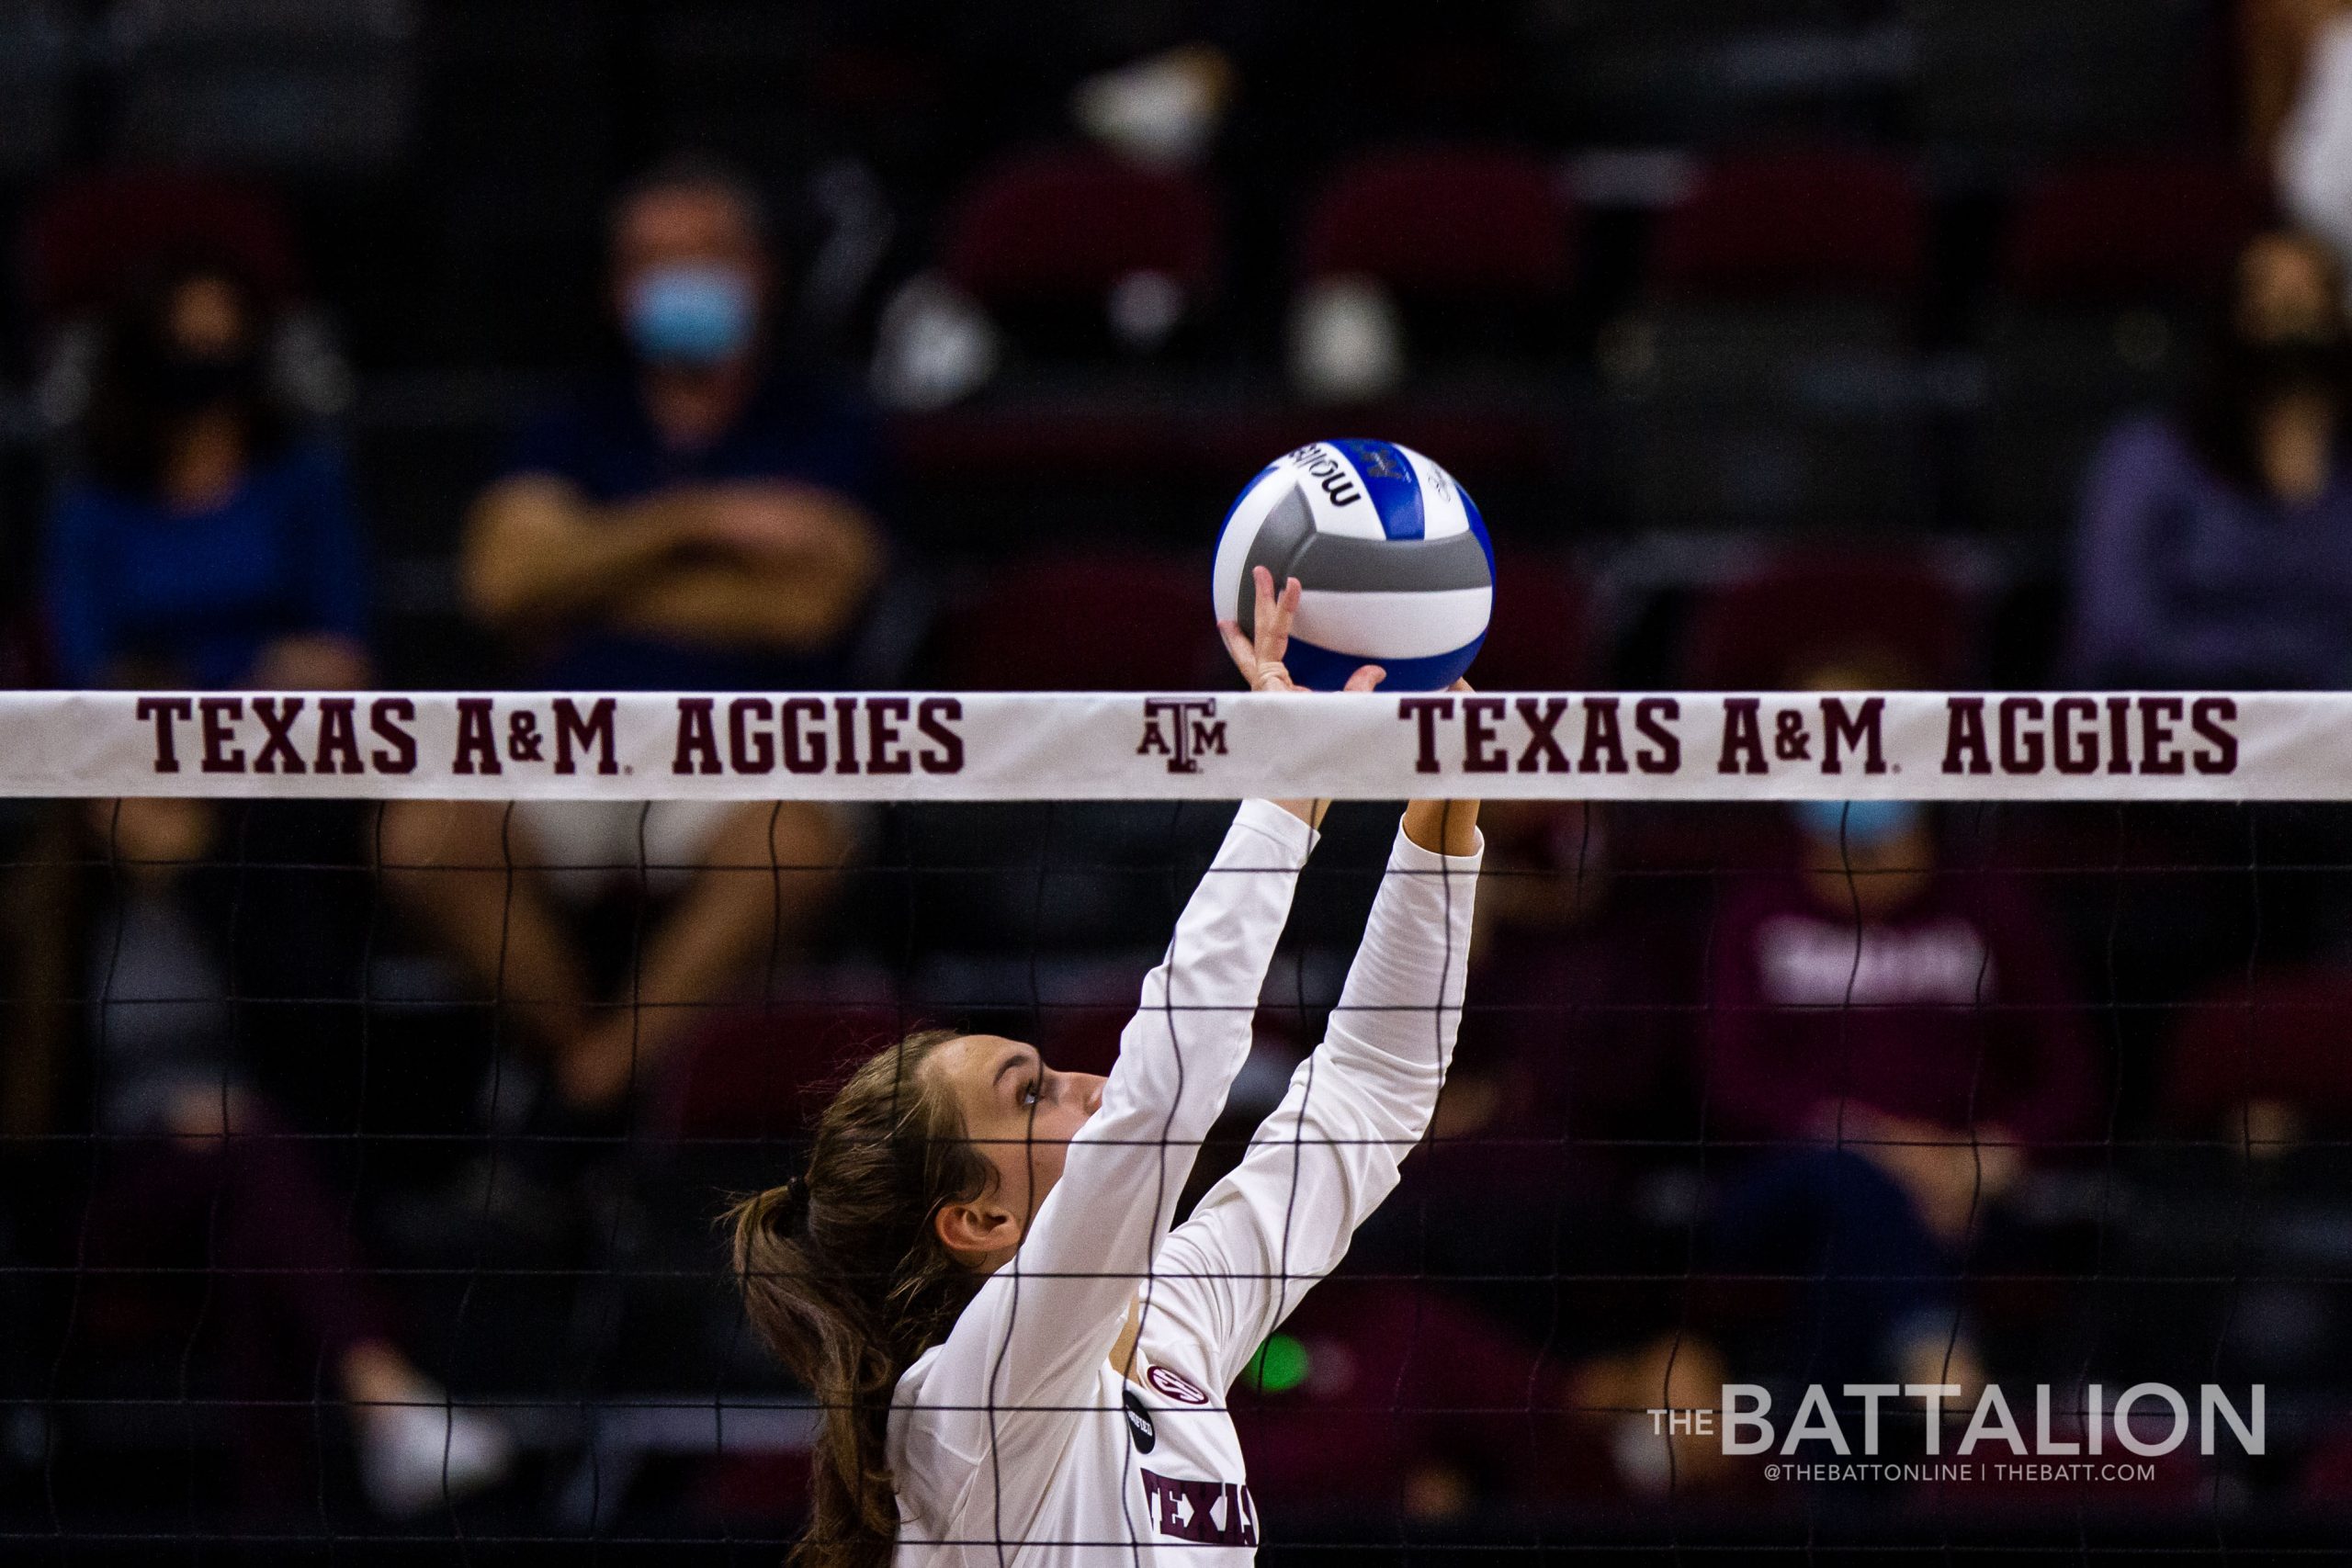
1392 559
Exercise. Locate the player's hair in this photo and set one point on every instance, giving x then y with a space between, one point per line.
846 1277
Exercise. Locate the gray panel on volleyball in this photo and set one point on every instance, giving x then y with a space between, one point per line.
1289 546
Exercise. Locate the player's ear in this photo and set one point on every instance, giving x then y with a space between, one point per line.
976 1229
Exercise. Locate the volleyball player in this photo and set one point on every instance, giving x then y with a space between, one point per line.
1020 1362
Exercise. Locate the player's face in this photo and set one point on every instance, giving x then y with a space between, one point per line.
1020 1112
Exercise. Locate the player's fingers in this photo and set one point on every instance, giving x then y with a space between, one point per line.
1261 583
1365 678
1285 611
1245 658
1273 620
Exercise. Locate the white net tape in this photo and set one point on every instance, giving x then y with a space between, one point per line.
1119 746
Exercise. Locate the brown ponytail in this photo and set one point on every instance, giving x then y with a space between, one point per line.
847 1282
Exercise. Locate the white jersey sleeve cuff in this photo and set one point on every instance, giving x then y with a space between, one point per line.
1292 837
1407 855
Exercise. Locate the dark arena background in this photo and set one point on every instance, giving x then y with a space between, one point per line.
363 1153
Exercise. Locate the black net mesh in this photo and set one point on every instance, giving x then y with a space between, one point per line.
364 1166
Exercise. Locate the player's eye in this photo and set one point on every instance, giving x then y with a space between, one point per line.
1032 1091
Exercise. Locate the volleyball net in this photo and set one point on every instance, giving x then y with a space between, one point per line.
890 746
1881 1119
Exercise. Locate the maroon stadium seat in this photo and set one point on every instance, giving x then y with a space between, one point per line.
1045 241
1768 380
2108 270
2131 229
764 1071
83 242
2280 1035
1794 222
1540 639
1144 623
1475 242
1069 222
1447 220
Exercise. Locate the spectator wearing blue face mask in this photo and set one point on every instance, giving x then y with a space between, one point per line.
705 522
1899 1041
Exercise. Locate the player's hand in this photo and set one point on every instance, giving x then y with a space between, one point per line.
1259 657
1260 660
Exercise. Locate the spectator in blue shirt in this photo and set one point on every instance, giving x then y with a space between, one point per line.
203 541
706 523
2216 544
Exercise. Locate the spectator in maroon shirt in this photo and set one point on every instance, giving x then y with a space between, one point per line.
1902 1038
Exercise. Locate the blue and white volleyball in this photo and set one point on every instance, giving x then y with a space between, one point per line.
1392 559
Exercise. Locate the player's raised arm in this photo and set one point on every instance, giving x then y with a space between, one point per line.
1061 1275
1329 1154
1064 1273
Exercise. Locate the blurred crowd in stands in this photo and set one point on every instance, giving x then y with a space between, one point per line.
715 346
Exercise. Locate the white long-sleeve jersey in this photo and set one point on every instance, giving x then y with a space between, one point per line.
1017 1441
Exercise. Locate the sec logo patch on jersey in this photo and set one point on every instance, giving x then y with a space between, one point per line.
1176 1385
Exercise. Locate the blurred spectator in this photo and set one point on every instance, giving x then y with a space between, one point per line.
206 538
706 523
198 1159
1906 1038
2216 545
2276 42
204 541
2299 95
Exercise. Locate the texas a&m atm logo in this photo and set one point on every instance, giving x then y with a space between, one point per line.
1183 730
